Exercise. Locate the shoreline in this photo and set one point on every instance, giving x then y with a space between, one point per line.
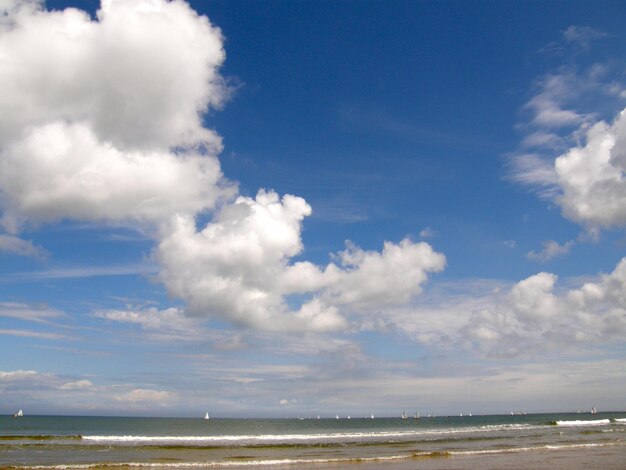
482 443
609 457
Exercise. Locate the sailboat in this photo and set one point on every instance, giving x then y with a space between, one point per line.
404 416
593 410
416 415
206 416
19 414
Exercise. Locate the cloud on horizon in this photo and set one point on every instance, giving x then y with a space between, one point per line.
530 317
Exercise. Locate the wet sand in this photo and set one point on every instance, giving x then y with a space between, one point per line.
605 458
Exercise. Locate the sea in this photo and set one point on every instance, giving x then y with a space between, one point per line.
73 442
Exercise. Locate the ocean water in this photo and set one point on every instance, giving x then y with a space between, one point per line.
104 442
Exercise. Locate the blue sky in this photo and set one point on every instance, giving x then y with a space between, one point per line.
283 208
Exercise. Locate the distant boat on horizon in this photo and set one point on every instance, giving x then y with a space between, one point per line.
206 416
19 414
594 411
416 415
404 416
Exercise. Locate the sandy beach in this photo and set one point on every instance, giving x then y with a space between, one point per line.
605 458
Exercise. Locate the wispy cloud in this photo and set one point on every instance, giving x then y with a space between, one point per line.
31 334
18 246
427 233
143 397
34 313
583 36
575 39
83 272
167 325
550 250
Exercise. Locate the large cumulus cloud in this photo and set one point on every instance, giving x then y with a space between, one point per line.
536 316
591 176
238 267
575 144
102 119
103 122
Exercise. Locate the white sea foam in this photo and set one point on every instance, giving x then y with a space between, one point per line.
296 438
513 450
245 463
620 420
589 422
246 438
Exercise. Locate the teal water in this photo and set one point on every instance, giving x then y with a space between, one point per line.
88 442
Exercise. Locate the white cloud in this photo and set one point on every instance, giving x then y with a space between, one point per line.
140 74
587 182
170 324
551 249
145 396
81 272
532 169
77 385
30 334
587 179
591 176
6 376
427 233
15 245
103 123
534 316
60 170
582 35
549 105
238 268
437 317
35 391
122 99
542 139
370 280
26 312
233 268
532 300
526 318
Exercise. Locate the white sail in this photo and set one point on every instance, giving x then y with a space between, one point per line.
19 413
206 416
